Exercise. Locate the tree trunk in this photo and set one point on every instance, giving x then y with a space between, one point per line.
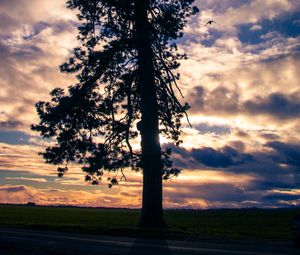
152 211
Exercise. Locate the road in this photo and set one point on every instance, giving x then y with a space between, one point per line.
51 242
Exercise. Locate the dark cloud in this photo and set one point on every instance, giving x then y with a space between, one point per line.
276 104
221 192
269 136
206 156
28 52
205 128
282 197
223 101
224 157
224 193
197 99
58 26
37 28
11 189
242 134
7 22
61 26
265 184
276 169
228 195
10 124
219 100
182 157
4 50
288 153
238 145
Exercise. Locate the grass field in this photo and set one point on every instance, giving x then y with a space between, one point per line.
247 224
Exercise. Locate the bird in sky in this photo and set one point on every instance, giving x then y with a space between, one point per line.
210 22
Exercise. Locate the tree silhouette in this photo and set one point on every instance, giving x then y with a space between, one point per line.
127 80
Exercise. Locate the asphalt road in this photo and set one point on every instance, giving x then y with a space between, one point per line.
25 241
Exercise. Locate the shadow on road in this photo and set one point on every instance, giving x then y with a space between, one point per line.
158 248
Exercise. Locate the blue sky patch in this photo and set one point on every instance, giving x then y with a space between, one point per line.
287 26
14 137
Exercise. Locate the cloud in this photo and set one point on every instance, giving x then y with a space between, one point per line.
20 13
224 101
206 156
17 177
220 99
21 194
16 194
34 41
10 124
221 194
229 15
26 179
274 166
13 188
210 128
269 136
283 197
37 28
23 157
289 152
225 157
206 195
277 105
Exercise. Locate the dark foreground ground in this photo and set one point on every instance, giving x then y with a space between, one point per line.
113 230
35 242
248 224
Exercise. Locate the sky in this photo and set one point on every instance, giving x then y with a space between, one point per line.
241 80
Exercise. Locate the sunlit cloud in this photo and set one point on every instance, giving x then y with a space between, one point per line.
26 179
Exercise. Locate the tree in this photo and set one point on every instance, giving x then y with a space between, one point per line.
127 80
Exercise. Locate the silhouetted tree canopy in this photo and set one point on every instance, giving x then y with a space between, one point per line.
96 120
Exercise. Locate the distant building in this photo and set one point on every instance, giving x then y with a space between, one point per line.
31 203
